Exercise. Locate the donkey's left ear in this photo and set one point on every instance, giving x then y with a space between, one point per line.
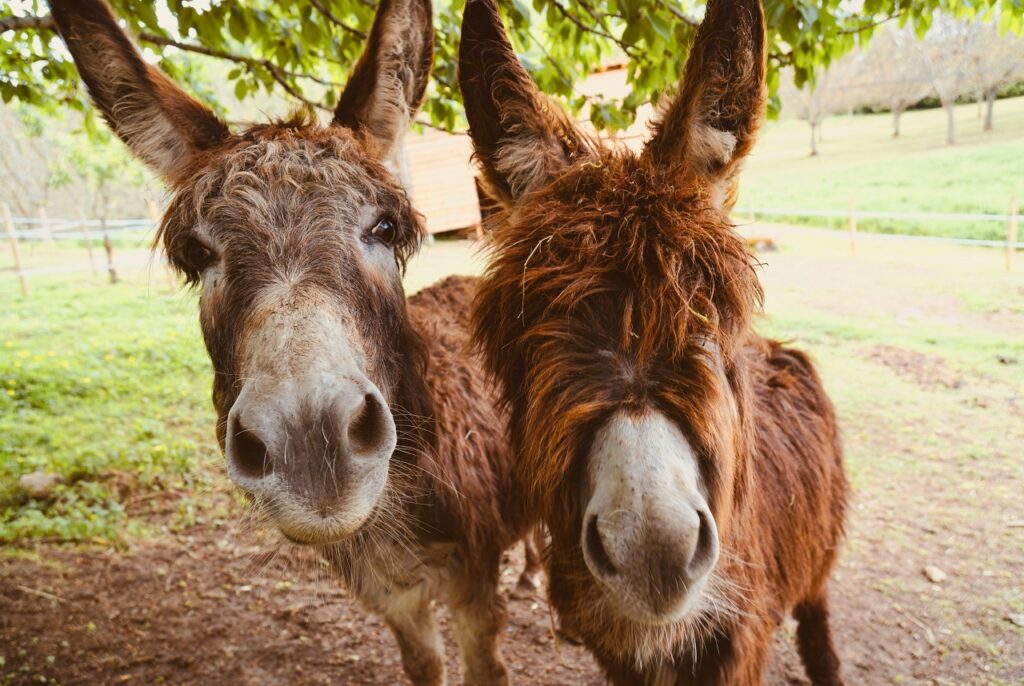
712 123
390 79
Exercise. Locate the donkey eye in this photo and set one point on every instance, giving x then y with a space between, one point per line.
385 231
197 255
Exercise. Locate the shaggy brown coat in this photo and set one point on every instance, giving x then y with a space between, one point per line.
617 282
279 204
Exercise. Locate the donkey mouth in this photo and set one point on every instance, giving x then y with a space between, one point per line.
321 535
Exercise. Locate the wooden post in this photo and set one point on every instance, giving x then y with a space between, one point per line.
853 226
157 216
1011 233
13 237
108 247
87 238
44 226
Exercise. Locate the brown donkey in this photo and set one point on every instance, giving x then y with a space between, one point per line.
689 470
355 419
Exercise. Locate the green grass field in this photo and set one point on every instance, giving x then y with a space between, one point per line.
916 172
105 386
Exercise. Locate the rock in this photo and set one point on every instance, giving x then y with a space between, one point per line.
1016 619
934 574
39 485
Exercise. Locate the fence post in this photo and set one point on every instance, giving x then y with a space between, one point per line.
109 248
44 226
13 237
853 226
87 238
156 215
1011 233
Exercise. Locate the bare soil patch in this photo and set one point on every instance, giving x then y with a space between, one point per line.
200 608
927 371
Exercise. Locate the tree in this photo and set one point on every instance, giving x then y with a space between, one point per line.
104 166
900 78
28 162
994 61
304 48
832 91
945 54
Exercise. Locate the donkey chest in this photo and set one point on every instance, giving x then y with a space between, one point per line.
392 573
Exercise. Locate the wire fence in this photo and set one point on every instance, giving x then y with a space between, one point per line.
852 215
41 229
67 229
44 230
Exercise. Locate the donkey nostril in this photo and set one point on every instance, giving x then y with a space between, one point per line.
595 546
705 551
248 452
366 430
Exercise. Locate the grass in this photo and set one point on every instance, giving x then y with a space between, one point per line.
108 386
916 172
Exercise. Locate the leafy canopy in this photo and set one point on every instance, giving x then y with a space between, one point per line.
304 48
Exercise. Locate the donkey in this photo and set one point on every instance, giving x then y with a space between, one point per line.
356 420
689 471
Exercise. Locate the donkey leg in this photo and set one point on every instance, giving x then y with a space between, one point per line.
479 619
411 618
529 580
814 641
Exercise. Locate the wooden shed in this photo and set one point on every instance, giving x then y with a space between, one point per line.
443 178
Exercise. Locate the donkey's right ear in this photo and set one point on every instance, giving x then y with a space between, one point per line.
160 122
389 82
520 137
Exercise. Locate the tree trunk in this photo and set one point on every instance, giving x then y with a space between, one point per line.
950 123
108 246
814 139
990 102
896 112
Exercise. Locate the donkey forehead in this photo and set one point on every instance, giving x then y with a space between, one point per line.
287 179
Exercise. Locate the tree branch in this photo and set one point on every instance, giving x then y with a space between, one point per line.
280 75
229 56
334 20
20 23
626 47
868 26
679 13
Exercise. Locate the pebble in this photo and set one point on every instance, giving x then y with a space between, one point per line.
39 485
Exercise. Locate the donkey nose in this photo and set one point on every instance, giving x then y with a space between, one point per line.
661 554
370 426
269 435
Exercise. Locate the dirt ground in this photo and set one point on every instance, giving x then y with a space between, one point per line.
934 452
205 608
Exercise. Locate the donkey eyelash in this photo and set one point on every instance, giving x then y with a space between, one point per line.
195 253
384 231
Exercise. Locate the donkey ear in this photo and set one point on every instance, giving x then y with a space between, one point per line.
712 123
158 121
521 139
390 79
